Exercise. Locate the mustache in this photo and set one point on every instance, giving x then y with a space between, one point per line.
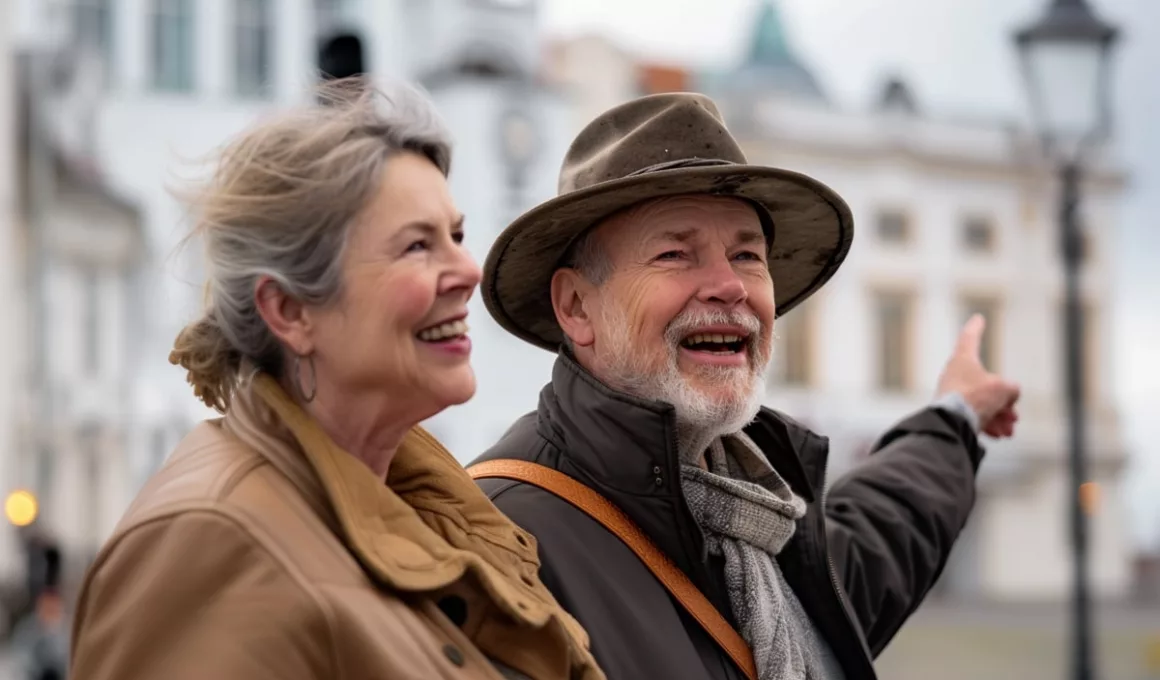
689 320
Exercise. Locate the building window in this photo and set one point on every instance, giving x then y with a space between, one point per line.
989 307
92 320
93 25
893 326
893 226
978 235
172 45
252 46
90 439
793 354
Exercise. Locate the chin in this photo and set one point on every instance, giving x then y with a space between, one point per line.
456 388
722 389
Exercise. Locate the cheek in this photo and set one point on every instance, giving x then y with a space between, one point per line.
381 311
407 299
651 306
761 300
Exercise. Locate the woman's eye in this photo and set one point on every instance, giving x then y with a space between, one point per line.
457 237
670 255
416 247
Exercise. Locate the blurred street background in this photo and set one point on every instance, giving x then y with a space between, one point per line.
912 110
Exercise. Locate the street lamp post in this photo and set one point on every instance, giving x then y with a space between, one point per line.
1066 57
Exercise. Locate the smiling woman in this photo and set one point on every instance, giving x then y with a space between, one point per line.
316 530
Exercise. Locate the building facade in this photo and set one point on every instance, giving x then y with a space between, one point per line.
952 217
120 99
11 347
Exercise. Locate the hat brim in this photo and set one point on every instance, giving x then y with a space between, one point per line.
813 230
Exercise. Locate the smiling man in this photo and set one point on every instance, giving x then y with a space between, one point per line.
657 275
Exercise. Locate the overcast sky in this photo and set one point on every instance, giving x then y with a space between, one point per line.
958 58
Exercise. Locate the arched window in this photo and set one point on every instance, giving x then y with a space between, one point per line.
341 56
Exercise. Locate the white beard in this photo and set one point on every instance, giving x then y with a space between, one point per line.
701 417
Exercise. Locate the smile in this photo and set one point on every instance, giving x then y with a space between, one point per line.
449 331
715 343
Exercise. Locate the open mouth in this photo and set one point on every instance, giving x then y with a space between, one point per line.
446 332
715 343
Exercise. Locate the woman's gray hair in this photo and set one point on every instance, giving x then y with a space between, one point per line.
281 204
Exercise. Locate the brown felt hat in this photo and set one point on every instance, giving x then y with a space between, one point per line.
651 147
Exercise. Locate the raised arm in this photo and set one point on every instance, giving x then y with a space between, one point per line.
894 519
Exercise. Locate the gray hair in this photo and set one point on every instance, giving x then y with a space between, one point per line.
280 205
588 256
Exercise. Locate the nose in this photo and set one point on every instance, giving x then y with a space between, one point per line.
464 273
722 286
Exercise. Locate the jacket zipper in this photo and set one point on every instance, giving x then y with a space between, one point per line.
835 584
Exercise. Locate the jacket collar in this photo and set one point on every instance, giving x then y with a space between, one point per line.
425 529
630 444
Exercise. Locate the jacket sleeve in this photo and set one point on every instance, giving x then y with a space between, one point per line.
893 520
196 596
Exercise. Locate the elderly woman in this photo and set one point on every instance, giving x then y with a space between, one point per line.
315 531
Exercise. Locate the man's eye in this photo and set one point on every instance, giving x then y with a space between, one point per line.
749 255
670 255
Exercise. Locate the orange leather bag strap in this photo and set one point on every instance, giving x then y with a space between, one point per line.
612 518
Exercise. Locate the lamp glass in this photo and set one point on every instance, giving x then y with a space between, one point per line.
1065 78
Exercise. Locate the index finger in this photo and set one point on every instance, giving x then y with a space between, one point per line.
971 336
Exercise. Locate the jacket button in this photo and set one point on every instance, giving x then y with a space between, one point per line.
656 469
453 655
659 482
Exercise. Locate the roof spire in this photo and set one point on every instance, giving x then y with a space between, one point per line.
769 46
770 66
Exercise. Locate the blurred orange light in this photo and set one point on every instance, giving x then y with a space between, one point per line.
1089 497
21 507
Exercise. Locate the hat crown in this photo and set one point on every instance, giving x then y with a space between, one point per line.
646 132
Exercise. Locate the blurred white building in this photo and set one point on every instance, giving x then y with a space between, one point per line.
952 217
10 317
117 100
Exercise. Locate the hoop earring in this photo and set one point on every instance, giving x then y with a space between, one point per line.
307 397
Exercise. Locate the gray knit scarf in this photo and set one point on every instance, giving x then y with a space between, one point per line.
747 513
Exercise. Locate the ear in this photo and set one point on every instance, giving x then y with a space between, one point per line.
285 316
571 299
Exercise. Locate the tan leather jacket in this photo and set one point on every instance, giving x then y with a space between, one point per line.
262 550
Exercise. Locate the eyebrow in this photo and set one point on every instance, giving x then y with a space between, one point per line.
429 227
744 237
681 236
749 236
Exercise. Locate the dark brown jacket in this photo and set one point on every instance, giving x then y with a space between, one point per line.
861 560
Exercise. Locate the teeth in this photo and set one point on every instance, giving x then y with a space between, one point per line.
445 330
718 338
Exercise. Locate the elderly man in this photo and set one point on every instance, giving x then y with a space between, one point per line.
657 274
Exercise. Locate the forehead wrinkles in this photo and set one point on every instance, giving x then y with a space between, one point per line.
628 230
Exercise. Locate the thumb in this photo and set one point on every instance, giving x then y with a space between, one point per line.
971 336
